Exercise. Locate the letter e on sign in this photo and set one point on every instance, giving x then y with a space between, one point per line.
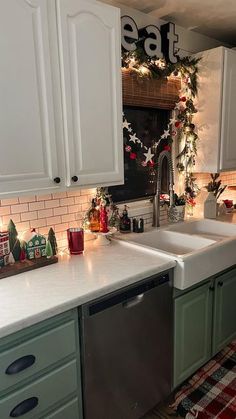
129 33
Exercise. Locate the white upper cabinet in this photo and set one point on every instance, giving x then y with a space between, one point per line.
28 157
90 54
216 111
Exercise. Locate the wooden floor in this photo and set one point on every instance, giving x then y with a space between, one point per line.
162 411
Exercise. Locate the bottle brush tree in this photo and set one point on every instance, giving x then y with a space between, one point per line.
14 242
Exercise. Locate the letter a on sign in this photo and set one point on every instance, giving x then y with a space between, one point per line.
152 44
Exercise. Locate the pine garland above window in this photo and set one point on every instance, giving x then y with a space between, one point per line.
180 126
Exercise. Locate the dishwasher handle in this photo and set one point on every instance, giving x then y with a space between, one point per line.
127 297
133 301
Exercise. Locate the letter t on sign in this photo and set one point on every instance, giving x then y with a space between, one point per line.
169 39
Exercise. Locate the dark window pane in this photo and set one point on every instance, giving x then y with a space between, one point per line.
140 182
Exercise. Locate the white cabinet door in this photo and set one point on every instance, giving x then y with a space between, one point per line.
216 111
228 130
208 117
28 157
89 48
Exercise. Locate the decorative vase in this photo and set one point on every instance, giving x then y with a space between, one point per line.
176 213
210 206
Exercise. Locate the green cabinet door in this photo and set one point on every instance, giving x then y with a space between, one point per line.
192 336
224 325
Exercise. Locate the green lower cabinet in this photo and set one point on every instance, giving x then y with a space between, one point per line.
192 336
224 325
40 370
68 411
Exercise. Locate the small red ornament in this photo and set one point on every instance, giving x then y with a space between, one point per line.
177 124
173 133
183 99
151 163
144 163
128 148
133 156
167 148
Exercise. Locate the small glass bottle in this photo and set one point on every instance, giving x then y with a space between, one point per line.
125 222
94 218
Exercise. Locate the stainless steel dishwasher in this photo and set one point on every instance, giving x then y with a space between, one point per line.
127 350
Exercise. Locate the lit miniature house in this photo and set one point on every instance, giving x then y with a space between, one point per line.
4 248
35 244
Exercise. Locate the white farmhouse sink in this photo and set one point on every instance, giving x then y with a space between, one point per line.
177 244
201 248
212 229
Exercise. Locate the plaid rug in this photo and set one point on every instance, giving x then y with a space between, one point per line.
211 392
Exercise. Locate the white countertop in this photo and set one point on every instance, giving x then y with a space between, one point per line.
31 297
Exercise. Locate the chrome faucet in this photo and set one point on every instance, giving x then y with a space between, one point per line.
156 200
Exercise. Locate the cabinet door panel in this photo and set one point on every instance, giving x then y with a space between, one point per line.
91 83
224 328
228 143
28 158
193 321
208 103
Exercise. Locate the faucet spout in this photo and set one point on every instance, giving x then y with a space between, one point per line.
156 201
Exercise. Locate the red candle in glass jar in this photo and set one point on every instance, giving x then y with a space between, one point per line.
75 238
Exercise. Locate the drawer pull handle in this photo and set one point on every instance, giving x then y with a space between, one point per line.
220 284
24 407
20 364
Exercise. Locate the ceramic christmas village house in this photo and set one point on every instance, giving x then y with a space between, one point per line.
4 248
34 244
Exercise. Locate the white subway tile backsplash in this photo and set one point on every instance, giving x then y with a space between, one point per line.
26 216
33 206
66 201
17 209
53 203
45 213
5 210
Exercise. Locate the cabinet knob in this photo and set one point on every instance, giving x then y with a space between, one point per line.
57 180
220 284
74 178
211 288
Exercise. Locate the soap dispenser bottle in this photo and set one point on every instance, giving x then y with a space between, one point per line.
125 222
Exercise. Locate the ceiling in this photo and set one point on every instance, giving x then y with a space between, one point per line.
214 18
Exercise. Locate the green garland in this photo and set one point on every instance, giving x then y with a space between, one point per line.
187 69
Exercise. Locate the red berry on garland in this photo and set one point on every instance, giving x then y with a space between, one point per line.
177 124
183 99
167 148
128 148
144 163
133 156
151 163
173 133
